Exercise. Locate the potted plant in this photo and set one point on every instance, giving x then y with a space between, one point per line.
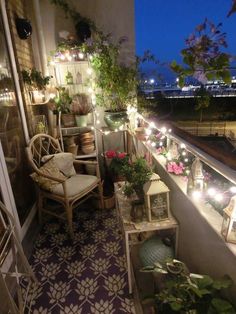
36 84
81 107
63 105
115 81
136 173
115 161
184 292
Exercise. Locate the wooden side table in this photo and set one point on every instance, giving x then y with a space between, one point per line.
130 228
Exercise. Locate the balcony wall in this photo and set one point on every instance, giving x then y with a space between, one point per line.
201 245
115 17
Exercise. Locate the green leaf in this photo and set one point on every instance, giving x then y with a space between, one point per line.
222 306
176 306
222 284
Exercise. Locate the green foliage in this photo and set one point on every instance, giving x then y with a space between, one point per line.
202 57
185 292
34 79
63 100
136 173
116 82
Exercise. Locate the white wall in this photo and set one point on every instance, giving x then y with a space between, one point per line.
111 16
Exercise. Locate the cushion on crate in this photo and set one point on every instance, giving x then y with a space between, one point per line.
64 162
50 169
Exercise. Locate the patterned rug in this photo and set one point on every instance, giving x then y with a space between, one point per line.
83 277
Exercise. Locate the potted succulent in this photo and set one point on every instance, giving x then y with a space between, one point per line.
81 107
36 84
116 82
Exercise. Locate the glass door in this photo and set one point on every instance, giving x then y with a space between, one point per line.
12 137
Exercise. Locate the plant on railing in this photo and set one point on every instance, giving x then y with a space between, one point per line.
203 57
185 292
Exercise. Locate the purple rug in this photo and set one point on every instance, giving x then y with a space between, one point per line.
83 277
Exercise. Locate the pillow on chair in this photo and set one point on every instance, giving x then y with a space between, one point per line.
64 162
51 169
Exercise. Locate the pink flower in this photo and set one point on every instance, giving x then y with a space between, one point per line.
121 155
110 154
176 168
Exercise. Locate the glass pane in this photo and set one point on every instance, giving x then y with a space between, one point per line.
11 136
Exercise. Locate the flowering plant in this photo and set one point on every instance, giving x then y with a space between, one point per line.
175 167
117 160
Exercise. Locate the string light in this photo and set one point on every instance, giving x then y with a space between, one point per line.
152 125
161 144
62 57
233 189
153 144
218 197
186 159
196 195
163 130
184 153
89 71
81 55
107 132
211 191
148 131
182 145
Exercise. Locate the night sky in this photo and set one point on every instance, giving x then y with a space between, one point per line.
163 25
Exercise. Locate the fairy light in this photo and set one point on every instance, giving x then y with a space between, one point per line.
218 197
233 189
107 132
186 159
153 144
90 90
161 144
62 57
116 130
69 58
89 71
211 191
81 55
163 130
184 153
52 95
52 63
98 121
170 130
187 171
90 57
196 195
148 141
121 127
182 145
152 125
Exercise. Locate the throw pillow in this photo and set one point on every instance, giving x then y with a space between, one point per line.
51 169
64 162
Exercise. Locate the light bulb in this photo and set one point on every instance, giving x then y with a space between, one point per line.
233 189
148 132
197 195
81 55
211 191
153 144
218 197
186 159
182 145
183 153
163 130
152 125
89 71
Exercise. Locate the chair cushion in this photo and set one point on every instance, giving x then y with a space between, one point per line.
51 169
64 162
75 185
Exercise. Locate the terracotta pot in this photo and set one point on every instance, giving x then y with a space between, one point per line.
68 120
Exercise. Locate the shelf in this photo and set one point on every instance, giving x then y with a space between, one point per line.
92 155
70 62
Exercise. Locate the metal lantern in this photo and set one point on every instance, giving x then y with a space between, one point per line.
157 202
228 229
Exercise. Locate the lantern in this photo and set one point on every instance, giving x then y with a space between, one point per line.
197 173
228 229
157 202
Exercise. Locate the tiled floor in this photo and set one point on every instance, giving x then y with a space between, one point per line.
83 277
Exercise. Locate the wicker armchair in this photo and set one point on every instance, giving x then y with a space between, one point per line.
68 189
